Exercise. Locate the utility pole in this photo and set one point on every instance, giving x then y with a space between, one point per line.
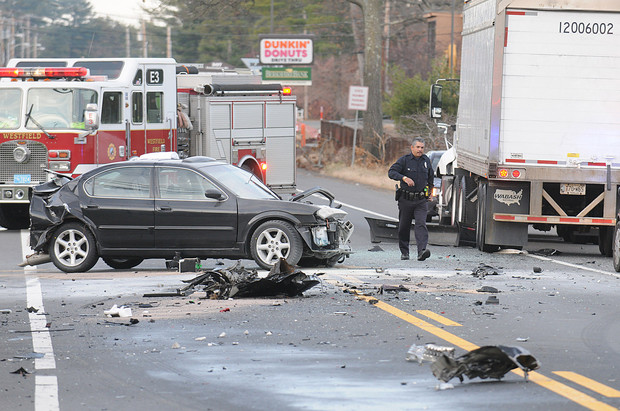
145 43
169 42
387 46
127 42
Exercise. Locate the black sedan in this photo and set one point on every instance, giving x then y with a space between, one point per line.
196 207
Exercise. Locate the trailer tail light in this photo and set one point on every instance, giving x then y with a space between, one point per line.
44 72
287 91
510 173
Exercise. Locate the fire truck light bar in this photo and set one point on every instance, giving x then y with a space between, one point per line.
43 72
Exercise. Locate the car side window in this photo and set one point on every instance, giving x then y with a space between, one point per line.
125 182
182 184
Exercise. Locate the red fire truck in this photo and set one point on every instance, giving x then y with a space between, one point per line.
71 115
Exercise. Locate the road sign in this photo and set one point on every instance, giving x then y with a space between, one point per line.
295 76
286 50
358 98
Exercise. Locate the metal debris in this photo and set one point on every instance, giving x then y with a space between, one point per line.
236 281
428 352
484 362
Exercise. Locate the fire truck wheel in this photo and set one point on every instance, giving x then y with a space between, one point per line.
14 216
273 240
122 263
73 248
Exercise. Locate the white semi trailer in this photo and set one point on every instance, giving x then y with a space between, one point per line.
537 139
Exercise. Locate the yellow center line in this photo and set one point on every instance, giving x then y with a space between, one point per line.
589 383
545 382
439 318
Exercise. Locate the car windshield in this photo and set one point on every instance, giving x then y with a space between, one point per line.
242 183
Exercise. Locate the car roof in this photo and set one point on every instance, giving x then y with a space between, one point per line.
190 162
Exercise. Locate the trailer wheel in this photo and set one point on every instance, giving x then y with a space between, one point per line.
464 220
605 240
73 248
273 240
481 225
616 247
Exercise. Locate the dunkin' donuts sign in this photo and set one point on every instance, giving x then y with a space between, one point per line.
295 50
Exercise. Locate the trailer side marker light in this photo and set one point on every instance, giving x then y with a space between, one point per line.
263 166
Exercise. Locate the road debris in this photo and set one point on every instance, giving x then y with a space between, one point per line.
483 270
21 371
392 289
546 252
375 249
484 362
492 300
116 311
236 281
5 311
487 289
537 269
428 352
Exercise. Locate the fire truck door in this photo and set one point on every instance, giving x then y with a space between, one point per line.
110 139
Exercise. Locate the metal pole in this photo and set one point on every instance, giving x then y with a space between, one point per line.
452 42
271 16
354 139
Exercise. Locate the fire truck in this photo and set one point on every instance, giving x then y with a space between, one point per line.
71 115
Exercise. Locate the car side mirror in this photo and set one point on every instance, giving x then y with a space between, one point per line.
214 194
436 101
91 117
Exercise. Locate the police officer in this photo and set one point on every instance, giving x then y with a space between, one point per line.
415 173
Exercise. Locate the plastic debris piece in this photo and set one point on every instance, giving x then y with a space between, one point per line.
484 362
537 269
200 338
444 386
116 311
32 310
392 288
483 270
222 335
5 311
375 249
523 339
487 289
225 310
176 346
428 352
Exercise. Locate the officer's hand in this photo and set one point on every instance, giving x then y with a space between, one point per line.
408 181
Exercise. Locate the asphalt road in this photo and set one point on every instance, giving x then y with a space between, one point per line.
329 350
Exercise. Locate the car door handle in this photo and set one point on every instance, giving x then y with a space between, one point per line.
164 209
92 206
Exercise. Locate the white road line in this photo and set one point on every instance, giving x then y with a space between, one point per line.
46 386
46 395
595 270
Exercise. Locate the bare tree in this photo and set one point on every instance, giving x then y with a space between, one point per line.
372 11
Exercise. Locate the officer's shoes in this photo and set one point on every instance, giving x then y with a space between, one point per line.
404 256
423 255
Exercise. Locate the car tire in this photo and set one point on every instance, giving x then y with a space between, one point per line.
275 239
73 248
122 263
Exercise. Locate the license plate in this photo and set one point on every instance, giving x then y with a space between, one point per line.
573 189
21 178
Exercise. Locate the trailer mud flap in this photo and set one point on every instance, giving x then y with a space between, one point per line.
506 197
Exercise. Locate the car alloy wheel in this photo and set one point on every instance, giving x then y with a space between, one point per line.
274 240
73 248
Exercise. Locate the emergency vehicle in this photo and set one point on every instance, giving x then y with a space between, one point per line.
71 115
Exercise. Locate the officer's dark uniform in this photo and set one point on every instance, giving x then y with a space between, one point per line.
412 202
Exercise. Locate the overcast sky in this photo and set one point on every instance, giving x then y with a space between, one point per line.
127 11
